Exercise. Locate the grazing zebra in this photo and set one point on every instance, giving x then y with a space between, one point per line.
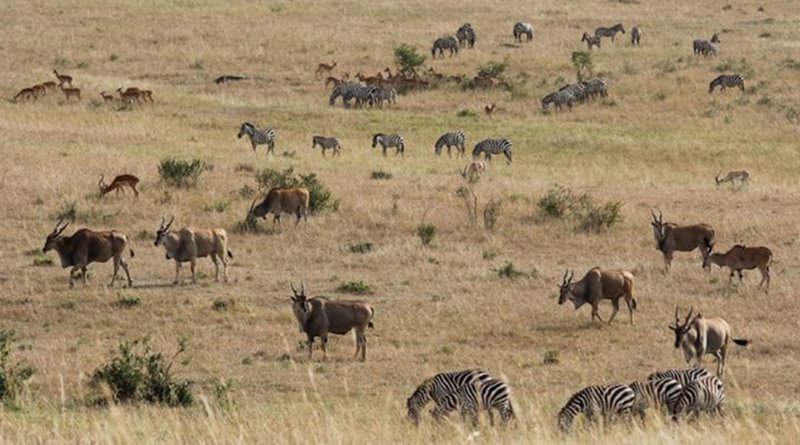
559 98
595 87
326 143
389 140
683 376
706 394
609 32
385 94
612 401
591 41
466 35
345 91
578 90
655 393
490 394
706 47
443 43
491 147
636 35
444 390
455 139
265 136
364 94
521 29
727 81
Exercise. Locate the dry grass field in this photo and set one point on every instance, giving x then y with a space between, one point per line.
656 142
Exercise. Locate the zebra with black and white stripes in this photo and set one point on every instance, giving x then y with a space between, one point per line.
443 389
595 87
466 35
390 140
489 394
364 94
591 40
346 91
655 393
389 95
706 394
636 35
609 32
727 81
611 401
445 43
263 136
490 147
326 143
455 139
577 90
523 29
706 47
559 99
683 376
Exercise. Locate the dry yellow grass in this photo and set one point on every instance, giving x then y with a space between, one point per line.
438 308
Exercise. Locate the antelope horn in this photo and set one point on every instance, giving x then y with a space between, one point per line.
566 274
688 316
677 317
169 224
100 182
655 219
252 205
293 289
302 288
62 224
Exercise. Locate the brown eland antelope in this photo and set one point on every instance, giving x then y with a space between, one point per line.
106 97
473 171
283 200
319 316
63 79
741 257
325 68
188 244
71 92
599 284
118 184
740 176
87 246
699 336
672 238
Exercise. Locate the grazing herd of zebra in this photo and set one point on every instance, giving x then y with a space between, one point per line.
679 392
363 94
579 92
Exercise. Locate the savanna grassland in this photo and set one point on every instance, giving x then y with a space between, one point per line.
656 142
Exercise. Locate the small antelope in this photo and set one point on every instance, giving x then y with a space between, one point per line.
39 90
740 258
63 78
27 94
129 95
699 336
473 171
325 68
106 97
740 176
118 183
489 109
49 85
71 92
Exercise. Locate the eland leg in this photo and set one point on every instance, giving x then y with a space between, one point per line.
615 306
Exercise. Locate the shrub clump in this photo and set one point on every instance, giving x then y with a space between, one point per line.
380 174
320 197
509 271
590 215
362 248
356 287
492 69
137 374
182 173
426 233
12 376
407 58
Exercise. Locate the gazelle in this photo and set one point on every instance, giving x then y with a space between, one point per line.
63 78
473 171
118 183
489 109
71 92
27 94
325 68
740 176
106 97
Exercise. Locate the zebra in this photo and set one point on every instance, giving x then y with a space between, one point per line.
491 147
443 43
595 87
455 139
612 400
389 140
577 90
521 29
559 98
364 94
609 32
727 81
659 392
443 389
636 35
706 47
706 394
385 94
326 143
265 136
346 91
683 376
591 41
490 394
466 35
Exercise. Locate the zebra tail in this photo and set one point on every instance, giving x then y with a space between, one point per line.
741 341
230 254
133 254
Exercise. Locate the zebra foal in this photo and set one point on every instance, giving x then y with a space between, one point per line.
466 35
727 81
706 394
326 143
611 401
523 29
490 147
264 136
455 139
591 41
389 140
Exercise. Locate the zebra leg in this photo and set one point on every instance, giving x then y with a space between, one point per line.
384 151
